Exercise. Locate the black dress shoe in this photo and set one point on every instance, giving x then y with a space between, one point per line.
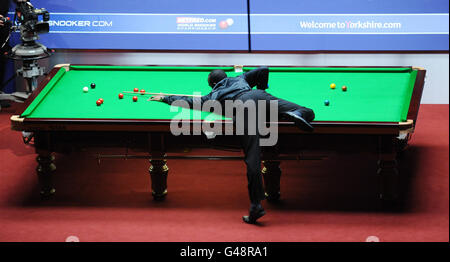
299 121
254 214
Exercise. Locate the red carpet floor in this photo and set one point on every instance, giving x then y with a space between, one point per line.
322 200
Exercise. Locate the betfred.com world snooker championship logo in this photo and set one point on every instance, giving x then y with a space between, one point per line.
202 24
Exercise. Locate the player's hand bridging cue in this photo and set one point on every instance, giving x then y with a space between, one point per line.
1 21
157 98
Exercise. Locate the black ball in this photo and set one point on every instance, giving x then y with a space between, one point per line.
92 85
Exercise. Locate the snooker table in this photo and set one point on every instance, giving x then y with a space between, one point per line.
376 115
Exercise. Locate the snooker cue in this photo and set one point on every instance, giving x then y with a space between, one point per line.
161 94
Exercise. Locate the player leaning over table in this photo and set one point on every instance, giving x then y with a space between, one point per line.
240 88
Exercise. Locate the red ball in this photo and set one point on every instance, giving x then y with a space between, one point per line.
99 102
134 98
136 90
120 96
142 92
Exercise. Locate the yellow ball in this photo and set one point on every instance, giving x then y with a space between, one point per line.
333 86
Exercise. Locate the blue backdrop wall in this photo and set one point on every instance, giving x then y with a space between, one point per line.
282 25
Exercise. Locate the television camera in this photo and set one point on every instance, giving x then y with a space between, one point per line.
27 21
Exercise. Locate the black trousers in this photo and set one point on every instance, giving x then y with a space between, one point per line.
250 143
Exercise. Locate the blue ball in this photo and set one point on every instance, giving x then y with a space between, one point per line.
326 102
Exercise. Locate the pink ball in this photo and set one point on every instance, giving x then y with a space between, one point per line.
223 24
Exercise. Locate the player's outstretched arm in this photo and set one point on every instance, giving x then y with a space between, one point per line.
258 77
190 100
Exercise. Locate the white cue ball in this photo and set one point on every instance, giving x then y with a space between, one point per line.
85 89
230 21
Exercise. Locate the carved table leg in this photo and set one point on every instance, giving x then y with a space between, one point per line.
272 175
158 167
45 170
46 167
158 174
388 170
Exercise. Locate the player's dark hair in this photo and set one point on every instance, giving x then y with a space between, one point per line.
216 76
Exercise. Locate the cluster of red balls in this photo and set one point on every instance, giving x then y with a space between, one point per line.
121 96
135 98
99 101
